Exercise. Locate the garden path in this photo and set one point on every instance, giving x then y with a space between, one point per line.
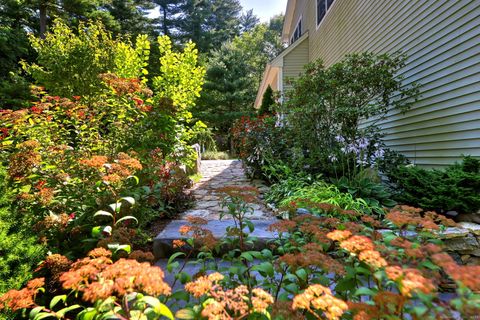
217 174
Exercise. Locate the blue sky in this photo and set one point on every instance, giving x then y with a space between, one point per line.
265 9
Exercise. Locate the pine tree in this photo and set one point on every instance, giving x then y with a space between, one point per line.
210 23
169 19
248 21
268 101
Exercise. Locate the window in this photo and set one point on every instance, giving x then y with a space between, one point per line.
298 32
322 8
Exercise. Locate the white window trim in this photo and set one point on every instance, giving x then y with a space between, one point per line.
293 34
326 13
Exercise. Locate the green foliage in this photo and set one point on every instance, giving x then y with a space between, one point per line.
180 78
321 192
19 251
455 188
215 155
326 105
234 72
373 192
202 135
268 102
69 64
70 61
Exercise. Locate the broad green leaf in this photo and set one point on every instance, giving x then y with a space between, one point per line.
116 206
126 218
103 213
34 312
364 291
68 309
129 200
57 299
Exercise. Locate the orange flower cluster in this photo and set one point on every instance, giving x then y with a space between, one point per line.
203 237
319 298
357 244
22 162
313 258
339 235
403 216
142 256
410 280
98 278
122 86
203 285
123 167
372 258
21 299
96 162
466 275
236 302
283 226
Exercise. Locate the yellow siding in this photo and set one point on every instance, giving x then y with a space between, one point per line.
442 40
294 63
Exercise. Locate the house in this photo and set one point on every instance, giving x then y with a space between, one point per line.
442 41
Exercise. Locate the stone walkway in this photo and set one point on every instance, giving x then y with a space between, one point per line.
217 174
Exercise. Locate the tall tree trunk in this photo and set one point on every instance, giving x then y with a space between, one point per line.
43 18
165 27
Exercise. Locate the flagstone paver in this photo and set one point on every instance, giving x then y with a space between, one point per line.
217 174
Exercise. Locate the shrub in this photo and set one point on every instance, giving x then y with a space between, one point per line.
19 249
456 188
268 102
259 142
320 193
215 155
326 106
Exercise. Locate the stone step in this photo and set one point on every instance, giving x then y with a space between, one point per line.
163 243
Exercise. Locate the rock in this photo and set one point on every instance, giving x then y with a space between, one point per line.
206 204
303 211
465 258
163 243
473 227
451 233
462 245
196 213
451 213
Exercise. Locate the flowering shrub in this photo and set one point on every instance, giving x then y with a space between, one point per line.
71 158
259 142
317 268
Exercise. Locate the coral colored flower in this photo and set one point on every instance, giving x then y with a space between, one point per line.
356 244
96 162
320 298
372 258
339 235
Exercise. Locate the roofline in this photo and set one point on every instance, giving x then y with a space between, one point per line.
278 61
288 19
258 99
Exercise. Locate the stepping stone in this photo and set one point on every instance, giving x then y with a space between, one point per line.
163 243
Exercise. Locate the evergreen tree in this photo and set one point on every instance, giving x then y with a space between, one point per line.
248 21
210 23
169 19
268 101
130 16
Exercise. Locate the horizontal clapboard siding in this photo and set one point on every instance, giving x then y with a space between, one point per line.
294 63
442 41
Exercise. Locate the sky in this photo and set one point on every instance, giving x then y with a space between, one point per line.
265 9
